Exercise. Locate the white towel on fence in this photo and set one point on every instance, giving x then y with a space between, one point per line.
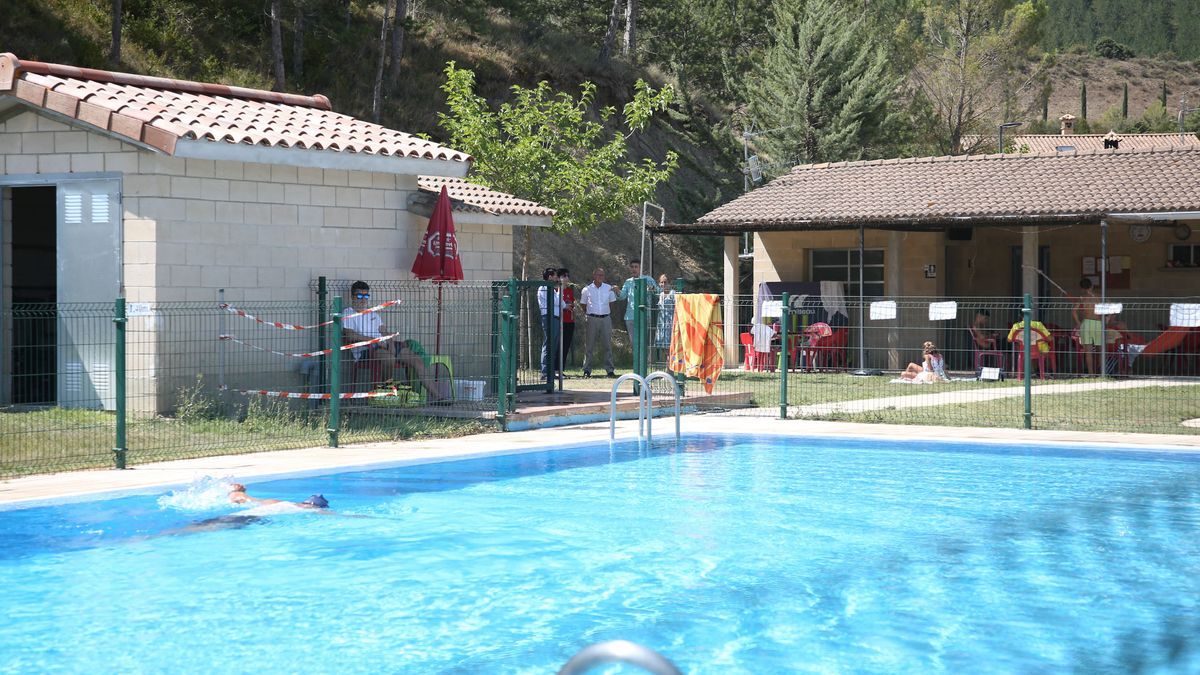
762 334
833 298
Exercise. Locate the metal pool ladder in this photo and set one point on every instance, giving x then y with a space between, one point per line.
645 409
622 651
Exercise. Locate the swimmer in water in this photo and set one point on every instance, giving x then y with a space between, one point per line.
260 508
237 495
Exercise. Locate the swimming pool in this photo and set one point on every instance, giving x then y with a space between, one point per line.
727 554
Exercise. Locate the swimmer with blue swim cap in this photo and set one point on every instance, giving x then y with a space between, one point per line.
237 495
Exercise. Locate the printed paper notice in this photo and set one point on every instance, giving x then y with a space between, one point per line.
1105 308
883 310
1089 265
943 311
772 308
1185 315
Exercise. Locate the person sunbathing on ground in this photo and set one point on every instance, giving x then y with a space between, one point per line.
931 370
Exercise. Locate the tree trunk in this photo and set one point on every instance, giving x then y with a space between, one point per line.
298 42
398 40
377 96
277 44
114 53
631 10
610 36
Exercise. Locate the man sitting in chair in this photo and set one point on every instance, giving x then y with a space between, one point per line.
383 357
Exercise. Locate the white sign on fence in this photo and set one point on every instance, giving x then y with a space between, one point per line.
1106 308
772 308
883 310
943 311
1185 315
138 309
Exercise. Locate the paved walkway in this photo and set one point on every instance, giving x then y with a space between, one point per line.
935 398
248 468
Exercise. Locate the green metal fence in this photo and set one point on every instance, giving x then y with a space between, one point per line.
104 385
1141 374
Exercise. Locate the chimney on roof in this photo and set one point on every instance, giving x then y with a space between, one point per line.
1068 124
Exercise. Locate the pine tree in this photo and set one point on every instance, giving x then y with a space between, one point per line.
1163 98
1083 100
824 82
1125 103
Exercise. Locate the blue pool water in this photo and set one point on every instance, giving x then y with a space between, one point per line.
727 554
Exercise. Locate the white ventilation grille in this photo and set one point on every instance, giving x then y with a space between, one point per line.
100 208
73 382
73 209
101 378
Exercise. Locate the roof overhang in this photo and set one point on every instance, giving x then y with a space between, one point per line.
464 214
317 159
906 225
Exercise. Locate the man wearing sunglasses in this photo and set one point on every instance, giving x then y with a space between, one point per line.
383 357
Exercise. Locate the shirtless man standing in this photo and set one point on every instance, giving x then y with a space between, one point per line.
1091 332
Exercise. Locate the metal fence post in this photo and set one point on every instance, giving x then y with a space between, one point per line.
785 318
335 372
1027 318
322 299
505 356
119 320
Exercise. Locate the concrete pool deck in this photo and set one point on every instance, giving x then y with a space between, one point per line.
248 468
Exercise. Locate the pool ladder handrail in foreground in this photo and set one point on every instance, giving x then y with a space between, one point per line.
645 407
622 651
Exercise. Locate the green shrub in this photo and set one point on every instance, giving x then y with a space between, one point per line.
1111 49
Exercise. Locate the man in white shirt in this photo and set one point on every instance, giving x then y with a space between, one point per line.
381 358
595 299
550 334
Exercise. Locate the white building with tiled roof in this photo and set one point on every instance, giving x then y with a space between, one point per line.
163 190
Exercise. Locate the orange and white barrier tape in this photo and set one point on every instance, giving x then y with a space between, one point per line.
313 397
305 355
291 326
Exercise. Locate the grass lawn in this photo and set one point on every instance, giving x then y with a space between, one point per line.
1146 409
59 439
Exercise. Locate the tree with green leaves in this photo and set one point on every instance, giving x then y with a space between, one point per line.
1083 100
557 150
971 50
1125 102
823 82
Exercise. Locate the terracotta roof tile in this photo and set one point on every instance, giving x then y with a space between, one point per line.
927 192
482 198
170 110
1046 143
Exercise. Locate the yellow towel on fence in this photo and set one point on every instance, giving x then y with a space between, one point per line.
697 338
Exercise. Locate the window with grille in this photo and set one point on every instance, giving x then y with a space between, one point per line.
842 265
1183 255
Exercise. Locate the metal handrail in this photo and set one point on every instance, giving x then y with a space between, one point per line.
612 410
622 651
645 403
661 375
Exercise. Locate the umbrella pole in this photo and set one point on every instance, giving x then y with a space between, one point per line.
438 330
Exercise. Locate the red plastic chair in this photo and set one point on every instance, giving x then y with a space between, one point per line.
1039 357
988 352
830 352
755 360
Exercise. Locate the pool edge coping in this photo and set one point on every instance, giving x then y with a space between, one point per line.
75 486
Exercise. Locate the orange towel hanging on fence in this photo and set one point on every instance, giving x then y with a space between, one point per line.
697 338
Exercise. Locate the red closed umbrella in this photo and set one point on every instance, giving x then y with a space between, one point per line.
437 258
